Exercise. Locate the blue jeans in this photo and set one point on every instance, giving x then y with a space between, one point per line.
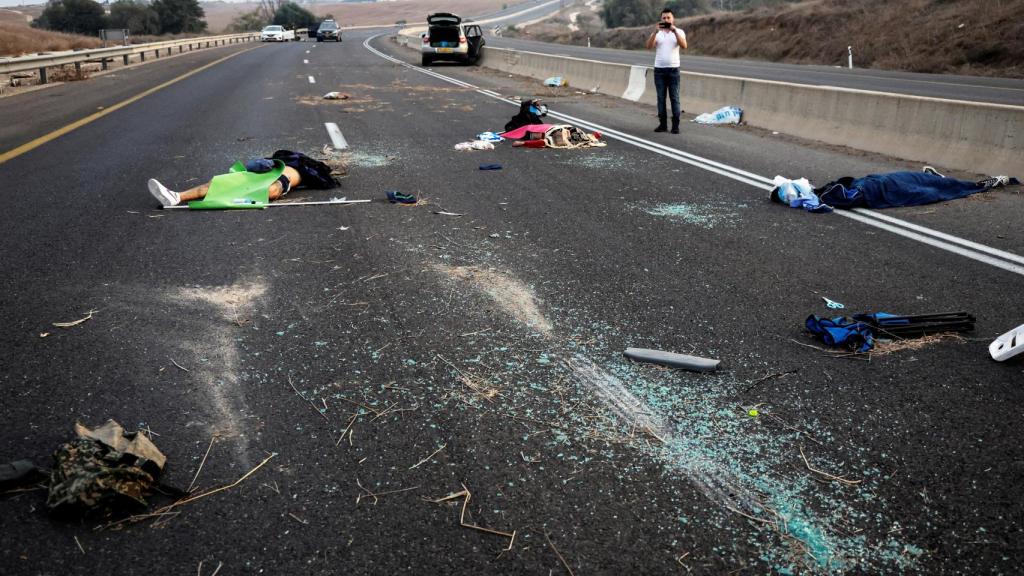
666 80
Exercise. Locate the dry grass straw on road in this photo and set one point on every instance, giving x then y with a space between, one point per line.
914 344
976 37
19 39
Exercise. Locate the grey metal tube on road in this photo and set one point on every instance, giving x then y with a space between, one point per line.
672 360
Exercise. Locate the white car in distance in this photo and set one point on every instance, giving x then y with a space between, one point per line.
276 33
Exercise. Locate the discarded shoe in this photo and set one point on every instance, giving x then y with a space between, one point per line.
490 166
396 197
165 196
995 182
1008 345
17 473
932 171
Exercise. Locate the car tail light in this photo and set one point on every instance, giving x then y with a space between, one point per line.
462 39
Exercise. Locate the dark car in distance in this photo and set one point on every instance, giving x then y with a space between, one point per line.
328 30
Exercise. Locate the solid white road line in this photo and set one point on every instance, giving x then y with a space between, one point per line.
961 246
336 137
312 80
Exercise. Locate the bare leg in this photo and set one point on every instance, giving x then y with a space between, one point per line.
197 193
276 189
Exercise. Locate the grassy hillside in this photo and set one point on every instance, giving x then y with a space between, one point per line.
17 39
977 37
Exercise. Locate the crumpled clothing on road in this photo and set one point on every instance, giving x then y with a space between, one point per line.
566 136
842 331
489 137
102 471
528 132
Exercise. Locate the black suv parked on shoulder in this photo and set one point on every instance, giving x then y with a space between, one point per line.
328 30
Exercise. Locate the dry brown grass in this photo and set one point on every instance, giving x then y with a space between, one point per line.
912 35
18 39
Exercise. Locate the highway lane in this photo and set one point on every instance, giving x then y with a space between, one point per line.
949 86
483 350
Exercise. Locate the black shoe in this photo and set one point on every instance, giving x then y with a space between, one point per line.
661 128
675 128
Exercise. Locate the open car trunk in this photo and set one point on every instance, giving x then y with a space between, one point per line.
443 30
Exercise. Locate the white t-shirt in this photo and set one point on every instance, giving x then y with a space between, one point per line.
666 53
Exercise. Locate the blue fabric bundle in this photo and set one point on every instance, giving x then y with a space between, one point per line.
842 331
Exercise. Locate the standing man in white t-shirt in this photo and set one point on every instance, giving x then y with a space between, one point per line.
667 40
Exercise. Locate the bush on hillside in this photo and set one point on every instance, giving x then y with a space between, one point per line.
291 15
178 16
137 17
73 16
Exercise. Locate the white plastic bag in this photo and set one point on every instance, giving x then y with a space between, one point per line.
725 115
474 145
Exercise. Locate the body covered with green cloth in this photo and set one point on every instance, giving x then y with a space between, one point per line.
251 185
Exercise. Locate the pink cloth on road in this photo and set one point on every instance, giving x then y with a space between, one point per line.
520 132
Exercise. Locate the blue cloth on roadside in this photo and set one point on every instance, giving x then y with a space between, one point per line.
259 165
489 137
842 331
895 189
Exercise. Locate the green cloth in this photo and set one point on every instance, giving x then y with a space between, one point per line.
239 189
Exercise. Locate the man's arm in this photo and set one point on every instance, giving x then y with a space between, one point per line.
650 40
680 37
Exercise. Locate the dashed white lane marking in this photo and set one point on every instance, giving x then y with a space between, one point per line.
1001 259
304 61
336 137
307 51
312 80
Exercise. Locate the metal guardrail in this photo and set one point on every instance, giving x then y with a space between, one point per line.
41 62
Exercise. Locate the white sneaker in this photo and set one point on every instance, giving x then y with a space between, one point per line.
995 182
933 171
163 194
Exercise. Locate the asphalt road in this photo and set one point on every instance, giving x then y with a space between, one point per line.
388 356
955 87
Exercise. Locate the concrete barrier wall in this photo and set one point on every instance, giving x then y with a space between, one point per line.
978 138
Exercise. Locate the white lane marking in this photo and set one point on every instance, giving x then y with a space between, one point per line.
312 80
336 137
931 241
963 247
943 236
304 61
307 51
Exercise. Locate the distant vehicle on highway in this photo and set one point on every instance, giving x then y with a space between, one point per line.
449 38
276 33
328 30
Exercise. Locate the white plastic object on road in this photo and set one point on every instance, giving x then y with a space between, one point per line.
1008 345
724 115
474 145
